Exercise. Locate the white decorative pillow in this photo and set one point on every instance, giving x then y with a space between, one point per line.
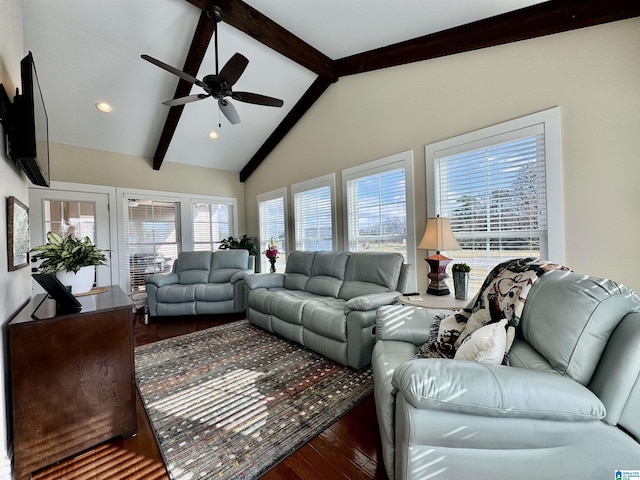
486 345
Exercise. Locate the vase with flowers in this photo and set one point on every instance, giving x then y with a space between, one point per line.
272 254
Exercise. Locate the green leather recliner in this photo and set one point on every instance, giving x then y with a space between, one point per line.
568 406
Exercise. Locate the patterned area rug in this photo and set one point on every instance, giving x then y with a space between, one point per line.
232 401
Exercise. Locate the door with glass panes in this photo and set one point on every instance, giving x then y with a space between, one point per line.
79 213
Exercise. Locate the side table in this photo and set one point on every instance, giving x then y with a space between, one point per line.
445 302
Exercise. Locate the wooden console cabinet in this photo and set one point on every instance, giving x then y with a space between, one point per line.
72 378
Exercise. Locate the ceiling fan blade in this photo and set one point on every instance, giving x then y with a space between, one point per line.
229 111
233 69
175 71
183 100
256 98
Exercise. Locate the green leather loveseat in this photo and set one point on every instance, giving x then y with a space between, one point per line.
200 283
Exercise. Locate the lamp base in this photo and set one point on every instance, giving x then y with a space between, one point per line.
437 275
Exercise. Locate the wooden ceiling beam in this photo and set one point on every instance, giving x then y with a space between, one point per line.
261 28
199 44
312 94
546 18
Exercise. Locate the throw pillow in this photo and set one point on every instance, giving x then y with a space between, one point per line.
486 345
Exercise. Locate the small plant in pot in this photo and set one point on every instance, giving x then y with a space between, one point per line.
72 260
461 280
244 243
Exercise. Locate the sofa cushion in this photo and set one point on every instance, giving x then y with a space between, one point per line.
298 269
236 259
193 267
214 292
176 294
371 272
326 317
568 319
260 300
288 304
193 261
354 289
222 275
327 273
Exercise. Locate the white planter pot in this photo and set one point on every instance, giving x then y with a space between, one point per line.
80 282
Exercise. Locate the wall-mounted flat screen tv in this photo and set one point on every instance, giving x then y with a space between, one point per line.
29 138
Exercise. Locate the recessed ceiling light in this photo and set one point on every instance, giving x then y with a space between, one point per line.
213 135
103 107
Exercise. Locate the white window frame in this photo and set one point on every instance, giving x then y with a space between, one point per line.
186 230
551 123
328 180
264 197
399 160
209 199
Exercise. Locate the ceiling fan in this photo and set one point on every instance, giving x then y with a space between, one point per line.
218 86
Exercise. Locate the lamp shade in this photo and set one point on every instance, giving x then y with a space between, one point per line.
438 235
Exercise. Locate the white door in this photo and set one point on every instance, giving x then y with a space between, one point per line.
81 213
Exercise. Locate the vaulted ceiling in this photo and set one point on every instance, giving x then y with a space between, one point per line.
87 51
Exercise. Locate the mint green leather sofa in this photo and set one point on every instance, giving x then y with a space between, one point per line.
200 283
327 301
567 407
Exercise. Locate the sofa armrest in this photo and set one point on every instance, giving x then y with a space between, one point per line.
264 280
495 391
161 279
239 275
404 323
371 301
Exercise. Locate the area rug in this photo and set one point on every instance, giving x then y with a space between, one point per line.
232 401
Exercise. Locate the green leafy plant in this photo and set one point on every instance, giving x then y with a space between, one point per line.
244 243
67 254
461 267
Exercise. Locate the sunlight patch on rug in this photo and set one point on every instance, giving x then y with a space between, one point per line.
232 401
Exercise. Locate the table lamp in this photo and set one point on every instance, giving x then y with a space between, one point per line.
438 236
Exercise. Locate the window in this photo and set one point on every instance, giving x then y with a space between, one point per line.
212 221
314 213
70 217
273 227
379 206
152 238
501 187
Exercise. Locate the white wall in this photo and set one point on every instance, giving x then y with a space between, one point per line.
96 167
15 287
593 74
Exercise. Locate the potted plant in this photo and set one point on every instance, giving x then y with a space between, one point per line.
72 260
244 243
461 280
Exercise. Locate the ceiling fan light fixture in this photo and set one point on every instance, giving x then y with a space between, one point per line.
103 107
213 135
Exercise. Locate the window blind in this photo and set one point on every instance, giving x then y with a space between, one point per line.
377 212
494 192
211 222
313 219
151 238
272 228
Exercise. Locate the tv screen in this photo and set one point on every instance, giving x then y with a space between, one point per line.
29 144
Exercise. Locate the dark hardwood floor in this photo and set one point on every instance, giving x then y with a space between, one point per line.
348 449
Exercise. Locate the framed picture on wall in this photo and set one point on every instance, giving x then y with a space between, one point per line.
17 234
